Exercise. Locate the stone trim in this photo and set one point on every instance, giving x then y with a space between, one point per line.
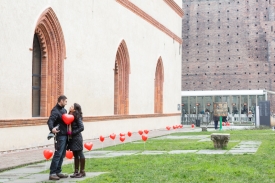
43 121
129 5
175 7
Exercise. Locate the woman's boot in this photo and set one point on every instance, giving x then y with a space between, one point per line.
76 168
82 169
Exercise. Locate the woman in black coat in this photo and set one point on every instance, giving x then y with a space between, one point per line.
75 143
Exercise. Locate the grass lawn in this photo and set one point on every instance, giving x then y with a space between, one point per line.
224 168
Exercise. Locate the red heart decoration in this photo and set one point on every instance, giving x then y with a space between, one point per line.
180 126
146 131
67 118
101 138
69 154
168 127
174 127
113 136
129 134
144 137
122 134
122 138
192 125
47 154
140 132
223 123
88 145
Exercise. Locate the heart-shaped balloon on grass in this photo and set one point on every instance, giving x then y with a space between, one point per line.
174 127
69 154
129 134
113 136
140 132
144 137
101 138
168 127
67 118
180 126
88 145
146 131
47 154
122 138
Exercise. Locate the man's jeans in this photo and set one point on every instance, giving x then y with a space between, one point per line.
59 154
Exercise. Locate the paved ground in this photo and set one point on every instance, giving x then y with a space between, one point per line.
31 172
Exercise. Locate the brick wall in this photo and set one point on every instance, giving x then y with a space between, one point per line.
228 45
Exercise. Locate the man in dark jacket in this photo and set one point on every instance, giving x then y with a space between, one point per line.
61 138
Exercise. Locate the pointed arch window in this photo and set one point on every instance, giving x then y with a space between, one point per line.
47 83
121 80
159 79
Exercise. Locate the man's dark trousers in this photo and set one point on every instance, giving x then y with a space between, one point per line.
216 124
59 154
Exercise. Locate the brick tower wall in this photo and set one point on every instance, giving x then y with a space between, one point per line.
228 45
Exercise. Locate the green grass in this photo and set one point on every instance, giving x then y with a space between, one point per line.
166 145
189 167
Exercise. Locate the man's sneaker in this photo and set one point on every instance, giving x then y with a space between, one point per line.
54 177
62 175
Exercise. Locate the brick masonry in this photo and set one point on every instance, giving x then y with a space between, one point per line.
121 75
159 79
49 32
228 45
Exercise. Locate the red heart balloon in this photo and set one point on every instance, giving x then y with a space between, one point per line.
192 125
174 127
168 127
129 134
69 154
113 136
88 145
144 137
101 138
122 134
140 132
47 154
67 118
122 138
180 126
146 131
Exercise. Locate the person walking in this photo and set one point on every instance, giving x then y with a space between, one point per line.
60 138
75 143
216 121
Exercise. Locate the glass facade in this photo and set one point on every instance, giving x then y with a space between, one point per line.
241 108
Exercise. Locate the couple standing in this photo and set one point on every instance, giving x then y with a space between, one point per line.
67 137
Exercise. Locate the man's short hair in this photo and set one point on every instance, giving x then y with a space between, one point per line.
61 97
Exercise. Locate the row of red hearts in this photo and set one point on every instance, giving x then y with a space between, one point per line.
89 145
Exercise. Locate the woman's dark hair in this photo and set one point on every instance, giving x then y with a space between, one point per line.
78 112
